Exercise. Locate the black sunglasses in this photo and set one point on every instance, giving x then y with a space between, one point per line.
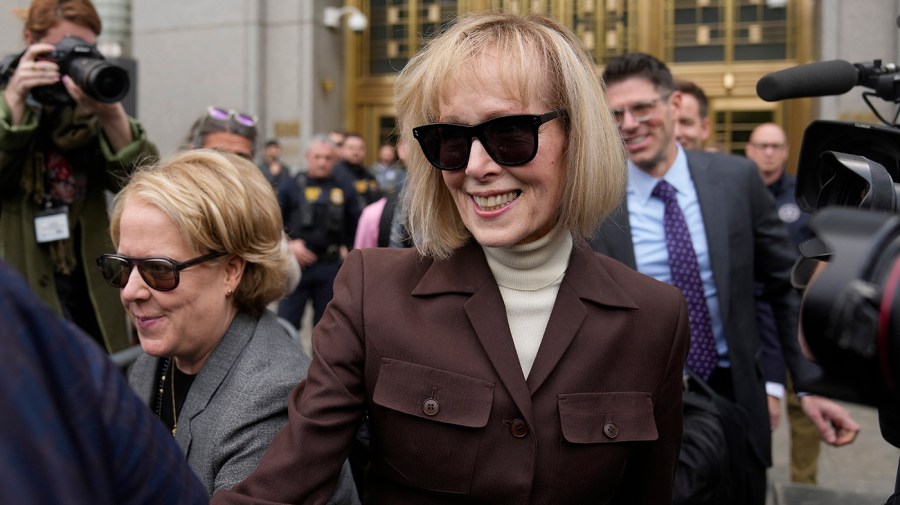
160 274
508 140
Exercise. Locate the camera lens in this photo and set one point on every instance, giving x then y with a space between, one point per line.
100 79
110 83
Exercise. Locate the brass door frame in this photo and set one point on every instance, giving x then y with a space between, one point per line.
721 80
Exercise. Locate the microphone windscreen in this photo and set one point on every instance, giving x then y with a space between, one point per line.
833 77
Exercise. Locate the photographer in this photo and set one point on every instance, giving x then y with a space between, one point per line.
59 150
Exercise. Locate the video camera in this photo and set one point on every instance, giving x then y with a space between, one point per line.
847 174
100 79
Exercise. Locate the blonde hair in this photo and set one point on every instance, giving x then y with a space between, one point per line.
220 203
542 61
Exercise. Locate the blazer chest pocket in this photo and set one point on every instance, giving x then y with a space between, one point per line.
602 418
599 433
431 423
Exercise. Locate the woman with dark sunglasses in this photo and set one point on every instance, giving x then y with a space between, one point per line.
198 258
500 361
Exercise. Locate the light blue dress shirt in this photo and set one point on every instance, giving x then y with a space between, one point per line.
645 216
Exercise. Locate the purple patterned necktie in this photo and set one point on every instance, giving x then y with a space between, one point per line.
702 356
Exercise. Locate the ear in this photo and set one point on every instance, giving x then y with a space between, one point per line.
705 127
234 272
28 38
675 100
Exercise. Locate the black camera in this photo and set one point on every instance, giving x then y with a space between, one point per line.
847 175
99 78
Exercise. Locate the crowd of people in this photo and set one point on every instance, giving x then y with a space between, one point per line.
505 304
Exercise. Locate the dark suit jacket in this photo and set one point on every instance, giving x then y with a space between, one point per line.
747 241
425 347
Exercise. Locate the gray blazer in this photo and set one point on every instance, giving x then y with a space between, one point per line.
238 402
747 243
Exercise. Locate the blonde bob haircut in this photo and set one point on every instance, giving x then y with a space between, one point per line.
542 62
220 203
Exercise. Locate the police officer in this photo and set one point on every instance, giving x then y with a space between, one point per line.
768 148
352 169
320 214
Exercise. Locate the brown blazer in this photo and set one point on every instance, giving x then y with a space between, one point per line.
424 347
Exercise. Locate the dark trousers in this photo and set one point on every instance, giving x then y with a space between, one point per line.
721 382
316 283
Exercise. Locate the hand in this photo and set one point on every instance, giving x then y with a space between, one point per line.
86 104
774 411
112 116
835 425
30 73
304 256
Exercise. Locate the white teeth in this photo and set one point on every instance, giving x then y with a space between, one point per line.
636 140
494 202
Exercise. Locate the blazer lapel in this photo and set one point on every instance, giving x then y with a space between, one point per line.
212 374
143 377
585 280
714 206
467 271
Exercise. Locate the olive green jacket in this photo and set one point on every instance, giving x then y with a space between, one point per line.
22 162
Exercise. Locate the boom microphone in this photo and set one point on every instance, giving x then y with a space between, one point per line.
833 77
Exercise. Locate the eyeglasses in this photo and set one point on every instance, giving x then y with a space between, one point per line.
640 111
508 140
764 146
160 274
240 118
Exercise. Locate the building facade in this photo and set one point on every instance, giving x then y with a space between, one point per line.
277 59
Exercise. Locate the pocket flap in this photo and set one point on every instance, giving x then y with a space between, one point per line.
451 397
594 418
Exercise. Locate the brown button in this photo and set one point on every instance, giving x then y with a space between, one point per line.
518 428
44 281
430 407
611 430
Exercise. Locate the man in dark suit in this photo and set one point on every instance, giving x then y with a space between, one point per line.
736 236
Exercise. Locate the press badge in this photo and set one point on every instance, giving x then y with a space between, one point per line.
51 224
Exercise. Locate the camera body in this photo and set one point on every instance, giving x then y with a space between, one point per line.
100 79
848 176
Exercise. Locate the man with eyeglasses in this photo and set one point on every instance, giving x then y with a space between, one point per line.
768 148
705 223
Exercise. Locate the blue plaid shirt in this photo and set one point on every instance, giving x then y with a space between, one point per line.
71 430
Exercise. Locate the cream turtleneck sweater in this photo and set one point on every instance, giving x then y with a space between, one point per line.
529 276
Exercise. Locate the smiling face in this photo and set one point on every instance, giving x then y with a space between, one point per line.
189 321
650 143
691 130
500 205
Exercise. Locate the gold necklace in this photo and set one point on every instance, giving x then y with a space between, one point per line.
174 412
